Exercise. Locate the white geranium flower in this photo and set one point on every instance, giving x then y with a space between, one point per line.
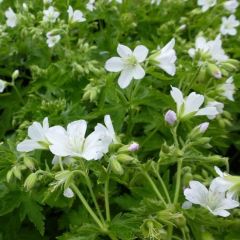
228 89
3 85
206 4
166 58
68 193
91 5
129 64
50 15
227 182
228 26
213 48
37 134
11 18
231 5
72 142
157 2
213 199
52 40
218 106
75 16
191 104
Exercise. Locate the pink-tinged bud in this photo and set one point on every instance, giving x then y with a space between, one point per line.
203 127
133 147
170 117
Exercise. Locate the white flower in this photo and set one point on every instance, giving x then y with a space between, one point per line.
227 182
52 40
50 15
157 2
228 26
166 58
191 104
3 85
206 4
216 51
65 160
228 89
231 5
72 142
75 16
91 5
128 64
218 106
213 48
37 134
11 18
68 193
213 199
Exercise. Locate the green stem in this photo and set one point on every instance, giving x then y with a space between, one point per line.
61 164
106 195
89 184
88 208
18 93
178 183
154 187
163 184
174 133
169 232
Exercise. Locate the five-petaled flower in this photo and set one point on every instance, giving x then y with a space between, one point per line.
50 15
206 4
129 64
75 16
52 40
227 89
190 106
228 26
213 199
165 58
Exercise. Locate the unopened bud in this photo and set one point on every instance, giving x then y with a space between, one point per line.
124 158
133 147
116 167
17 172
203 127
29 163
68 193
15 74
30 181
170 117
3 85
214 70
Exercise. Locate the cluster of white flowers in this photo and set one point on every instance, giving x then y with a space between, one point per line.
130 62
220 197
70 142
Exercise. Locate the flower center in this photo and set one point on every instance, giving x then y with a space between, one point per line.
132 61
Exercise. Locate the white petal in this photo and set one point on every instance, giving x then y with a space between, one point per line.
168 46
169 68
124 51
114 64
177 97
125 78
140 52
109 125
68 193
221 212
138 72
207 111
35 131
77 129
193 103
28 146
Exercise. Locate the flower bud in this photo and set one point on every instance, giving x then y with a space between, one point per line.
15 74
133 147
203 127
29 163
68 193
170 117
17 172
214 70
116 167
3 85
124 158
30 181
